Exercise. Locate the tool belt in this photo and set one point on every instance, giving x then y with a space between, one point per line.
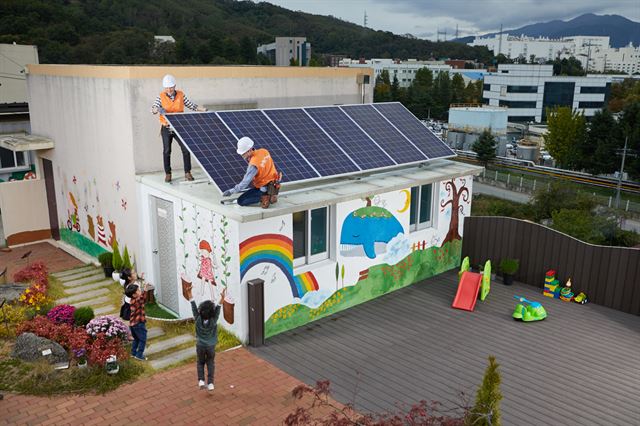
271 196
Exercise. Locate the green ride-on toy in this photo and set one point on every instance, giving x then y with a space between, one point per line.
528 311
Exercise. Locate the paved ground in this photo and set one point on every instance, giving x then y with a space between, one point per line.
505 194
580 366
56 259
249 391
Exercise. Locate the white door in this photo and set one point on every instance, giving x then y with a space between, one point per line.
165 253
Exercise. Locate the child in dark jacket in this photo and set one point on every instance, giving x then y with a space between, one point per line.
137 321
206 316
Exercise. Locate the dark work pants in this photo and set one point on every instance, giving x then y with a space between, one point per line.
167 138
206 355
250 196
139 333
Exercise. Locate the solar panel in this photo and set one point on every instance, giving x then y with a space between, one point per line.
386 136
413 129
213 145
312 142
346 133
254 124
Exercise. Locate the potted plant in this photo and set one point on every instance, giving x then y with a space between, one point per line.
111 365
81 357
116 262
509 267
105 261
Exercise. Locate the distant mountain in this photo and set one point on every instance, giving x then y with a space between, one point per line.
620 29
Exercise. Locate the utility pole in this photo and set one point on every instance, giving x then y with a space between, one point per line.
624 153
456 31
588 56
365 19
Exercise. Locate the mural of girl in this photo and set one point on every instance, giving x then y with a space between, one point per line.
206 266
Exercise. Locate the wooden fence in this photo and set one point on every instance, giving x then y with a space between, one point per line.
610 276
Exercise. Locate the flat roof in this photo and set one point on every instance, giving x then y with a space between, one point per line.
24 142
304 196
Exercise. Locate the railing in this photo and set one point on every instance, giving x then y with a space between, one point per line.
609 276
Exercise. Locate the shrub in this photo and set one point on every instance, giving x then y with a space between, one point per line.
486 411
61 314
126 261
36 274
509 266
102 347
12 314
105 259
108 326
82 316
67 336
116 261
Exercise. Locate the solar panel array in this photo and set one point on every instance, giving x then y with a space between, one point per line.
309 143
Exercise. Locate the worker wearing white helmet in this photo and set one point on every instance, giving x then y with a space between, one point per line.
261 182
171 100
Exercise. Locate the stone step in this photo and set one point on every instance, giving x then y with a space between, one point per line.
106 310
154 332
73 271
173 358
88 287
85 280
83 274
163 345
92 302
87 295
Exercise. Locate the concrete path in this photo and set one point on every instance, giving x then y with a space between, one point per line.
505 194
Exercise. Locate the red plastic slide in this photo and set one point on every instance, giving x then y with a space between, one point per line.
467 291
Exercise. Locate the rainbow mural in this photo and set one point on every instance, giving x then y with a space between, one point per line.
306 282
269 248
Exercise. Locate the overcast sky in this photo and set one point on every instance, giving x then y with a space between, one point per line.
423 18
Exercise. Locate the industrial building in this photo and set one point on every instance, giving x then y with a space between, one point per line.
528 90
466 123
285 50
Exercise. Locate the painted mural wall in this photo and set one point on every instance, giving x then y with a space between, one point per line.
374 252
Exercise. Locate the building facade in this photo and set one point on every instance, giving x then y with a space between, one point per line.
528 90
287 49
594 52
466 123
405 71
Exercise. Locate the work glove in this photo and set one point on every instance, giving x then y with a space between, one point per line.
227 193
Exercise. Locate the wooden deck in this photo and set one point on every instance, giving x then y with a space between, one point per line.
580 366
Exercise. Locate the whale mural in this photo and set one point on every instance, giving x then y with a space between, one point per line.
367 230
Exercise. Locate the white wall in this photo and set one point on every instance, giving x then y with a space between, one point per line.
13 59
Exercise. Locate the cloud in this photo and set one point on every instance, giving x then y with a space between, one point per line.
425 19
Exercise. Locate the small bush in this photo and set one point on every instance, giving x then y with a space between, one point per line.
62 314
126 260
82 316
116 260
486 411
105 259
509 266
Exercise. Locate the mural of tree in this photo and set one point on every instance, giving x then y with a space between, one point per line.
455 194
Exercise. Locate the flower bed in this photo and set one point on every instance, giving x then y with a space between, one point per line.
36 295
62 314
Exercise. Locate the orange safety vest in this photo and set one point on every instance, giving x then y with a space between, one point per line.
175 105
266 169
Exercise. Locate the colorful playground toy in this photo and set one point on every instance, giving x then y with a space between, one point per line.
472 283
566 294
581 298
551 285
528 311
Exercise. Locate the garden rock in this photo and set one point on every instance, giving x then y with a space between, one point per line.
29 347
12 291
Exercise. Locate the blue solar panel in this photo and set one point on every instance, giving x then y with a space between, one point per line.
312 142
389 139
213 145
413 129
360 147
257 126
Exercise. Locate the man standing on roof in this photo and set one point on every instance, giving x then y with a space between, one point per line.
262 180
171 100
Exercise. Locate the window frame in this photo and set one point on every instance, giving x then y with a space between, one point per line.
431 223
27 162
308 258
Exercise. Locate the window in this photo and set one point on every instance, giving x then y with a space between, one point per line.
522 89
590 104
486 87
518 104
310 236
587 89
421 207
557 94
521 118
13 160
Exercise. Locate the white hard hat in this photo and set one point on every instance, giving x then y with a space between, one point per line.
244 145
168 81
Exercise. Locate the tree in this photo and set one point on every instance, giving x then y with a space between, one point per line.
395 89
441 95
455 194
559 195
486 411
566 130
597 151
457 89
485 147
248 51
382 89
570 66
630 127
473 92
116 260
623 94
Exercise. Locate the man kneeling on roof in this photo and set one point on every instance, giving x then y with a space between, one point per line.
261 181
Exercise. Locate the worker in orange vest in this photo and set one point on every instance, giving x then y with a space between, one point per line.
261 182
171 100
